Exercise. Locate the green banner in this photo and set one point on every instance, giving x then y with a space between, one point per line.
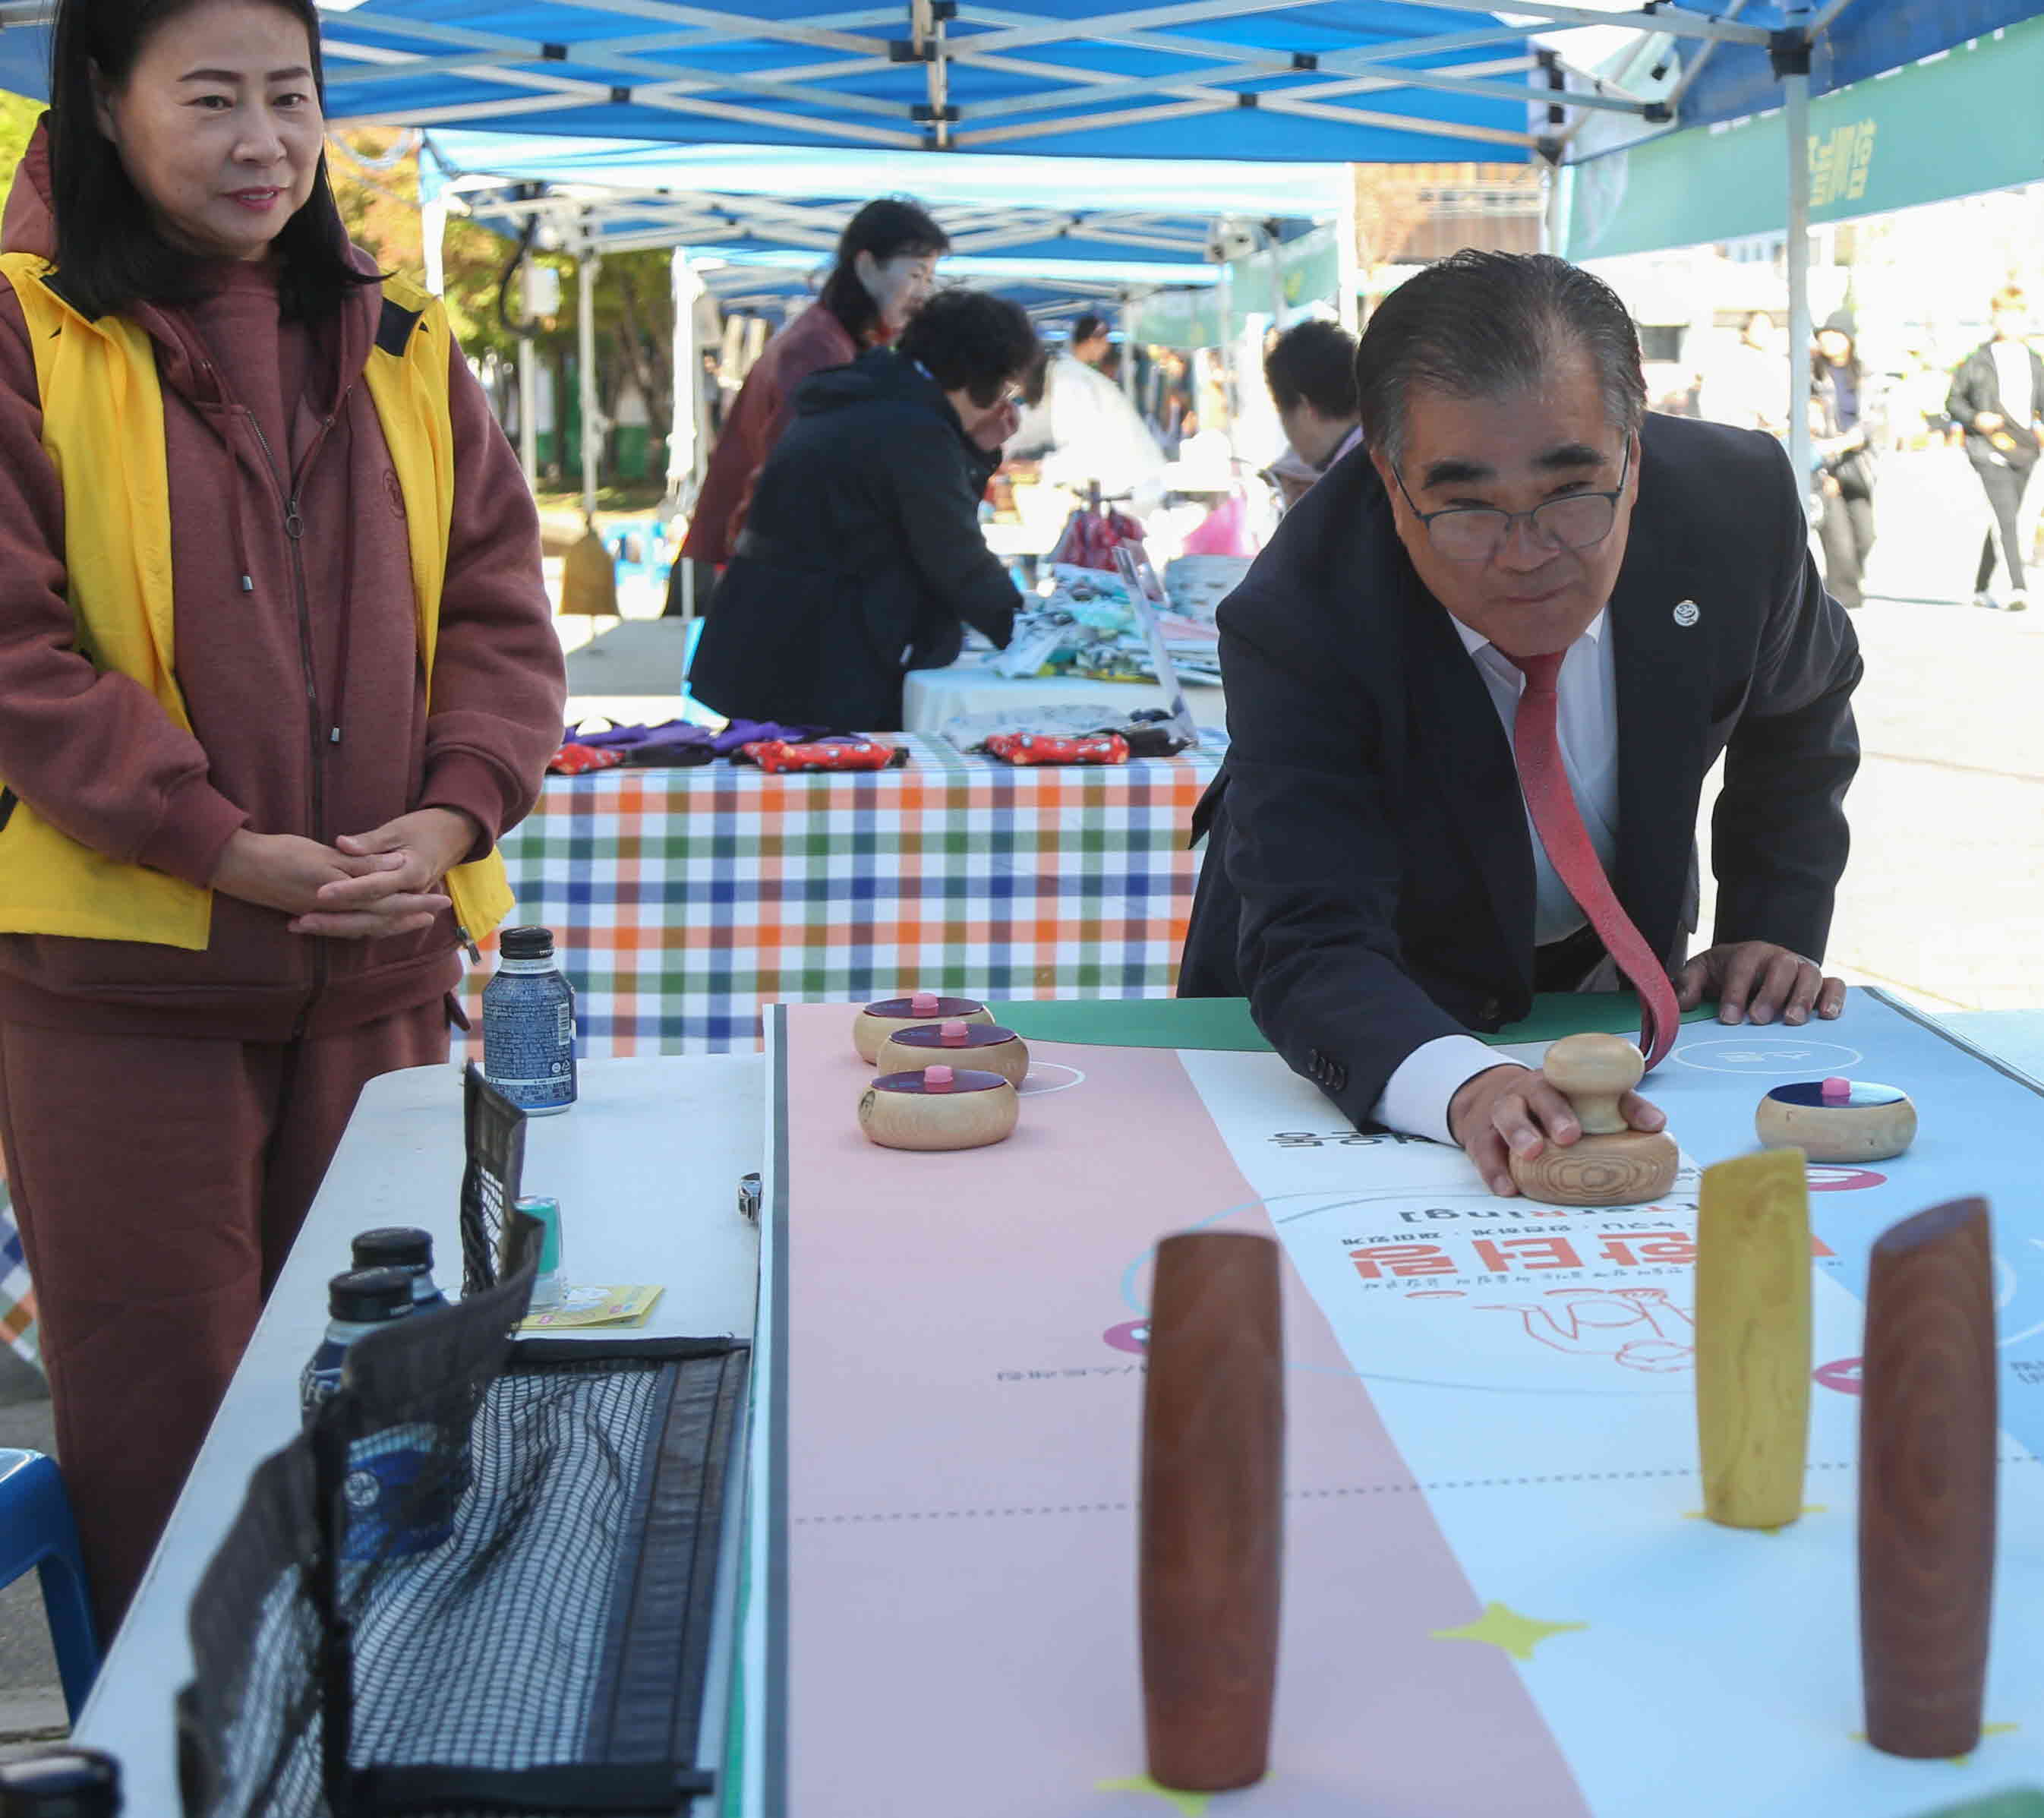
1308 271
1957 125
1186 319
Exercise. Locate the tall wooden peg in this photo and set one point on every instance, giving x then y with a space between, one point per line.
1926 1480
1213 1467
1753 1338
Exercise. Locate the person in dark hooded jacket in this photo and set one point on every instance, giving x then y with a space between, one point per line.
862 552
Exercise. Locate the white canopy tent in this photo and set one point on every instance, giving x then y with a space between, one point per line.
770 215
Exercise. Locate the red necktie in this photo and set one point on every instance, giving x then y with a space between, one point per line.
1536 740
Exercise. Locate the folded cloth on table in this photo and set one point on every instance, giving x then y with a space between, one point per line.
1148 731
1041 748
679 742
573 759
838 754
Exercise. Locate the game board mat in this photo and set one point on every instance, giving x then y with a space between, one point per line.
1498 1596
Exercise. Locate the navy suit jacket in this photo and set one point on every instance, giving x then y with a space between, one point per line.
1369 881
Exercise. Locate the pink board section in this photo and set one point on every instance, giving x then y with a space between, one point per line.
963 1420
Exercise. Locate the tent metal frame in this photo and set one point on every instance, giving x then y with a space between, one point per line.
820 98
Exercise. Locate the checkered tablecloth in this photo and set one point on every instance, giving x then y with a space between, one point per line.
681 901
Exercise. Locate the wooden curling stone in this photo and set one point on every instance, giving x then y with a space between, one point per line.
938 1107
984 1045
874 1024
1837 1120
1611 1163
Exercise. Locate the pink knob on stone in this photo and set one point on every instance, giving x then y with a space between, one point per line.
952 1033
938 1078
924 1003
1837 1089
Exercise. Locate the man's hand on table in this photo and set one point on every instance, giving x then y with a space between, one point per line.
1513 1109
1755 982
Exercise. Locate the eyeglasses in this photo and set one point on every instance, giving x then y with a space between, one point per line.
1476 532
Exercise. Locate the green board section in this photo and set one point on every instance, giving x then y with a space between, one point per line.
2018 1802
1224 1023
1961 124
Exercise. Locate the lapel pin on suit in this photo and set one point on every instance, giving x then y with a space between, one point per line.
1687 614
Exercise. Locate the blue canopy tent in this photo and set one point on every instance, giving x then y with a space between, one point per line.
1318 80
762 230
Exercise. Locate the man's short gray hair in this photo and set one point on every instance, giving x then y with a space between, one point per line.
1489 324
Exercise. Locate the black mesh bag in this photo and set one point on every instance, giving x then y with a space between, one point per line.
484 1582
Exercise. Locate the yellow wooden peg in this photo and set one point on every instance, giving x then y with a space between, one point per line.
1753 1338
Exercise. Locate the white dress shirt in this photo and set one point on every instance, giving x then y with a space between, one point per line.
1416 1097
2012 374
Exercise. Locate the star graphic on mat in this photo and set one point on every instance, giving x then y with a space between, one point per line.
1503 1627
1191 1805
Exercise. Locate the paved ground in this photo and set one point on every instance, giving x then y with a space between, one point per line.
1943 903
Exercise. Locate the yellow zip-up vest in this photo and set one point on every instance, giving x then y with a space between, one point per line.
103 424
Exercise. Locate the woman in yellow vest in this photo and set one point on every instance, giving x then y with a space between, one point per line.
276 670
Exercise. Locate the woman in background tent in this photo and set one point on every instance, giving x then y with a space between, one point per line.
886 262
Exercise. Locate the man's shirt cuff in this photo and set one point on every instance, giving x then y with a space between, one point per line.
1417 1095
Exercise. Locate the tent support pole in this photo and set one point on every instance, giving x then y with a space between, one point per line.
1127 347
592 429
432 233
1347 255
686 286
684 444
1796 114
529 392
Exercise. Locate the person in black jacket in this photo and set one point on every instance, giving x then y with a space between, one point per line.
1371 881
863 550
1840 391
1997 397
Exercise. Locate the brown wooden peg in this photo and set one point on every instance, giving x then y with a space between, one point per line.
1212 1510
1926 1480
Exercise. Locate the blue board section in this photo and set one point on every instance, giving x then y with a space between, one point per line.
1980 1130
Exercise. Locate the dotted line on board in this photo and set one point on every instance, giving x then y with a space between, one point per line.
1310 1495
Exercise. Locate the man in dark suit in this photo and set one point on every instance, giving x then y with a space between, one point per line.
1373 883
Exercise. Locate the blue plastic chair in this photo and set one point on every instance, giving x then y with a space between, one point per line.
37 1528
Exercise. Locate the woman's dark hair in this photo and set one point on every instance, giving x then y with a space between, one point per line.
1088 327
1314 363
972 341
889 229
108 249
1036 381
1489 324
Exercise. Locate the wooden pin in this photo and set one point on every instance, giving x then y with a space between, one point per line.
984 1045
1927 1426
1753 1338
1212 1510
1837 1120
938 1107
874 1024
1611 1163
